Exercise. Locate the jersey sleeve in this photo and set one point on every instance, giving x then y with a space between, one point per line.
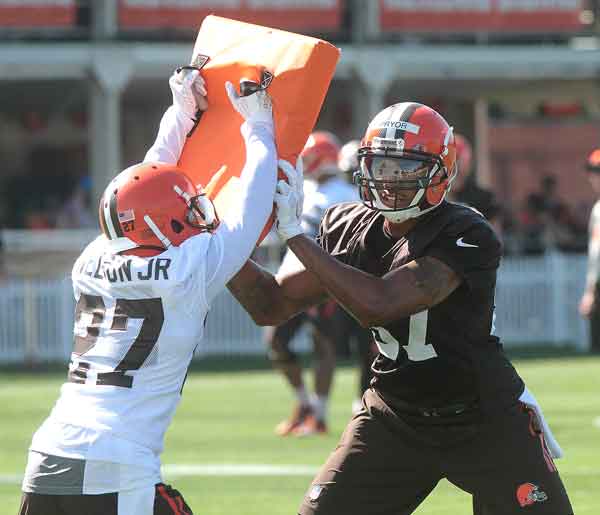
469 249
241 227
172 133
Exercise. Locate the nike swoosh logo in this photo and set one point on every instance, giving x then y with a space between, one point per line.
461 243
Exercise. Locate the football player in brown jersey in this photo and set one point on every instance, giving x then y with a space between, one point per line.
420 272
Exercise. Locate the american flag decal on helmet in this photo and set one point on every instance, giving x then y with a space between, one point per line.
126 216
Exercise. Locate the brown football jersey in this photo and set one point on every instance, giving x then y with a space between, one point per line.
448 354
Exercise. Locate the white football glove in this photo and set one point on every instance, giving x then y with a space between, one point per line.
528 398
289 198
189 91
255 108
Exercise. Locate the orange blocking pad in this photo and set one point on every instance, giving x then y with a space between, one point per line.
302 67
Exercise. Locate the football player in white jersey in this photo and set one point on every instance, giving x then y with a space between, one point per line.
143 290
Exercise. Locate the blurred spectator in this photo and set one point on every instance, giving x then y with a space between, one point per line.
546 198
531 226
34 197
589 306
547 223
38 220
465 189
564 231
75 214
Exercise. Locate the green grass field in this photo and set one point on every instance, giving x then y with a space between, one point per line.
227 418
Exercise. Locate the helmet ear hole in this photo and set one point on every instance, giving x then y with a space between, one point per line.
177 226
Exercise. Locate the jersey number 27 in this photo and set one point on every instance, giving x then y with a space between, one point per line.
91 311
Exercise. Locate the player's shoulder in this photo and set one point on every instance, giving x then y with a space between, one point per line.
459 221
194 244
188 258
347 213
97 245
340 222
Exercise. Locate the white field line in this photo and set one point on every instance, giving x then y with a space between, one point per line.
238 470
175 470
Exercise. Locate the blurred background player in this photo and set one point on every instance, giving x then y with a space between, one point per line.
355 338
465 189
323 187
589 307
348 159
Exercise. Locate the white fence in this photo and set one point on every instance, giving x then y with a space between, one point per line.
536 305
537 300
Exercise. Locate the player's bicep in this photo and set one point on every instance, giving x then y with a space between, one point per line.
424 282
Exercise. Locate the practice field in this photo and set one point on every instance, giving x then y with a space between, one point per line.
222 454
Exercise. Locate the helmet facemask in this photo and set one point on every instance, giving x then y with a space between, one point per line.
407 161
399 183
201 213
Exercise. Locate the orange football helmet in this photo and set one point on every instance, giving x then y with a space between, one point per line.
407 161
593 161
464 153
150 206
320 154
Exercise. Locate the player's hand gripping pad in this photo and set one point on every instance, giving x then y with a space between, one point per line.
295 69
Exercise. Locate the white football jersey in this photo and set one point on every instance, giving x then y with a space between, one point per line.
137 323
318 197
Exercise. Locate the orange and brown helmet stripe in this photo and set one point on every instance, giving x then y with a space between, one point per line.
394 125
107 214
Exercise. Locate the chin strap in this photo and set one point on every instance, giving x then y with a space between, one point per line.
157 232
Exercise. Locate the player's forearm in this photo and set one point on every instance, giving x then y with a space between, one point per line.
243 223
171 137
258 178
360 293
258 292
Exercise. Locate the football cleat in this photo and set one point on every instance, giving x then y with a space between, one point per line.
311 426
299 415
